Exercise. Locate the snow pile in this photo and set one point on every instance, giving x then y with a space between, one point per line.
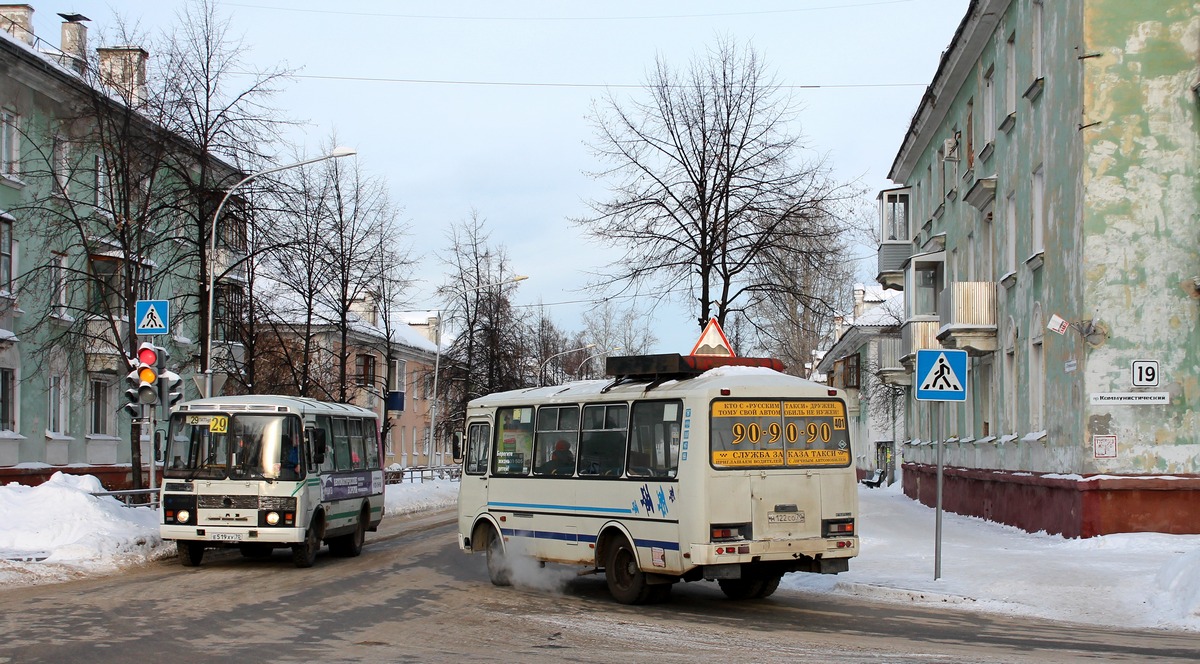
410 497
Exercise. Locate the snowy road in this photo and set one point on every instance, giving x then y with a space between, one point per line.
412 596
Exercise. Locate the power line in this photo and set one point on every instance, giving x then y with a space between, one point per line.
651 17
529 84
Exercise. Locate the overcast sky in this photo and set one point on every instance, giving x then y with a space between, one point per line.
483 106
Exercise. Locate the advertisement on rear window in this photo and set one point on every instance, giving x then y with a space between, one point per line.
757 433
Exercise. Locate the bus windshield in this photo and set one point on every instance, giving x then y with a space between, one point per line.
240 446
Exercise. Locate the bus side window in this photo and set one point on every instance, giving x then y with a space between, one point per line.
371 441
477 449
514 442
341 445
602 447
325 424
358 452
654 440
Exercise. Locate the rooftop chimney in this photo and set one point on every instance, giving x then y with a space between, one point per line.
17 20
123 68
74 42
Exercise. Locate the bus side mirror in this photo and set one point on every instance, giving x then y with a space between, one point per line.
316 441
456 447
158 445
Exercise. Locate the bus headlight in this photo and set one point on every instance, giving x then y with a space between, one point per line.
182 516
273 518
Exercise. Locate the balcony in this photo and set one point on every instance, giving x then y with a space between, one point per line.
892 257
968 317
102 351
891 371
917 335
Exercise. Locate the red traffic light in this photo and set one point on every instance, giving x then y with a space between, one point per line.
147 355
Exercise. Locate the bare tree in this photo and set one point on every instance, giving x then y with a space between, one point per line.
707 185
615 332
490 350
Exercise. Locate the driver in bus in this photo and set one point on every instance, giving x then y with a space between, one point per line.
561 462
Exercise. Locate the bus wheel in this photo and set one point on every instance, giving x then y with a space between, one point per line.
744 588
304 554
497 564
769 587
626 581
190 553
349 546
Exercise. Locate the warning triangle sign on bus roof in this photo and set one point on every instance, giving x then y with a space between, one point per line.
713 342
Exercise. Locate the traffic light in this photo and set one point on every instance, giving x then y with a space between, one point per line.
143 378
170 386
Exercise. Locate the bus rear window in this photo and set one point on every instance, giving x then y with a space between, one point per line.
772 433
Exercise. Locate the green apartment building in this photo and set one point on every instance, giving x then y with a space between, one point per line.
1046 219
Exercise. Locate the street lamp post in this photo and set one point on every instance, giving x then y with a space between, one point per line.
337 153
437 358
573 350
589 358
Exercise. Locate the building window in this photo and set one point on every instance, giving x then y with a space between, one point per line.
983 387
1010 229
62 165
1037 372
399 369
1037 213
1010 377
364 370
58 277
989 106
928 279
895 216
1036 40
230 313
10 143
56 404
99 406
1010 75
969 136
6 252
102 200
8 399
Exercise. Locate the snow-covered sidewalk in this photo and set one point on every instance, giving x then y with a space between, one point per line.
58 531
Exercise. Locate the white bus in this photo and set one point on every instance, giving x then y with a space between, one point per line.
261 472
680 468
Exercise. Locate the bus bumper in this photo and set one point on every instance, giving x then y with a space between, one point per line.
761 551
232 536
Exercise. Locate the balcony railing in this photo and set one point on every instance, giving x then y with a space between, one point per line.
891 370
892 257
968 316
917 335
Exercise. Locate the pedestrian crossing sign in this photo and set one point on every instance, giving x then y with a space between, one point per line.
151 316
941 375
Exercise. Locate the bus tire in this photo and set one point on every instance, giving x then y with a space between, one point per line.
627 581
740 589
349 546
769 587
190 553
497 562
304 554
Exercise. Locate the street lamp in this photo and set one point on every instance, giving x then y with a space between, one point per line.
573 350
589 358
437 358
337 153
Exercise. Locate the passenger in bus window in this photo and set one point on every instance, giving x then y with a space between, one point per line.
561 462
291 468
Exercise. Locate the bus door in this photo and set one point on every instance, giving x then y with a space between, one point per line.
473 492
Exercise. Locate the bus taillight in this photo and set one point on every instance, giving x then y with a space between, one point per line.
727 532
837 528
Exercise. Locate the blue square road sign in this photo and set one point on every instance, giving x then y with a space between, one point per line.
941 375
152 316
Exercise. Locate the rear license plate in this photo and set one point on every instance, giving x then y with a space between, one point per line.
227 537
785 517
